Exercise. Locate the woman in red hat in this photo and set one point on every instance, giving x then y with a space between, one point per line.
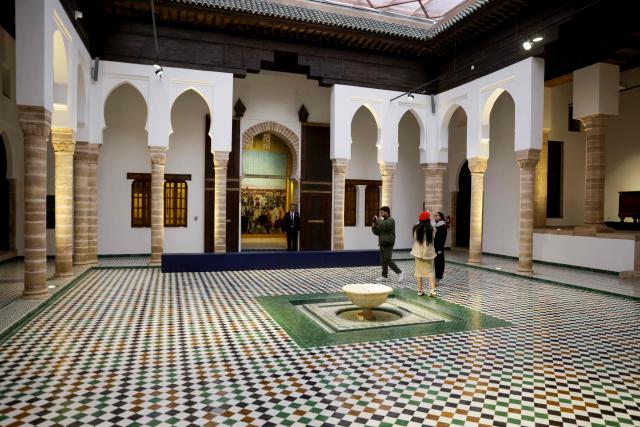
424 252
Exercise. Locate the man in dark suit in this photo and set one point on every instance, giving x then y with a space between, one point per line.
291 227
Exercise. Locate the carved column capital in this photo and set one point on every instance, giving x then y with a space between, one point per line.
340 166
527 159
158 156
478 165
387 168
594 121
220 159
34 121
63 140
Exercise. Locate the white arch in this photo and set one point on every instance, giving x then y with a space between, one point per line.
60 70
444 124
112 88
178 94
376 119
111 91
421 126
485 113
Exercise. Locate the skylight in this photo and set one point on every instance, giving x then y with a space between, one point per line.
417 9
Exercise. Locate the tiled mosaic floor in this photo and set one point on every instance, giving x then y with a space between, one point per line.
136 347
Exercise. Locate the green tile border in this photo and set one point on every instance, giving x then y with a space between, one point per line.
545 280
307 333
11 330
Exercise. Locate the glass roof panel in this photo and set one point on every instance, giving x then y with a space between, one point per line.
426 9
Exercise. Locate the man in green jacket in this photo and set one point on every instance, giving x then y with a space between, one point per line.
384 227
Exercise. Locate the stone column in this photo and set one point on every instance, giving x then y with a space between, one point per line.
478 167
92 207
36 126
81 203
220 161
158 159
527 160
433 183
594 127
540 186
63 141
339 176
387 169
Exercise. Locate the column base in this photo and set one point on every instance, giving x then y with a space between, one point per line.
80 263
39 294
153 263
524 270
591 229
69 274
474 261
629 275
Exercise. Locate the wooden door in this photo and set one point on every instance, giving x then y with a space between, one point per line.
233 188
315 188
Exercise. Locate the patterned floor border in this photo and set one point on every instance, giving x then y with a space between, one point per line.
544 280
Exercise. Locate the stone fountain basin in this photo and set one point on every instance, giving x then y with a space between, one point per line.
367 295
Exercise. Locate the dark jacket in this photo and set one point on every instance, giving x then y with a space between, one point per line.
440 238
291 224
385 229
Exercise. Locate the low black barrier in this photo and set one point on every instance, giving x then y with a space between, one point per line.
175 263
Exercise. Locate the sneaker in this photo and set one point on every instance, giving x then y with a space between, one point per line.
400 276
433 294
381 279
420 293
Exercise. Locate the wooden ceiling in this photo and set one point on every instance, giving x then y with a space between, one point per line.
577 33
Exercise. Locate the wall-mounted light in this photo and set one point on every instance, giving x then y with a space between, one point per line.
537 39
77 14
158 69
527 45
410 96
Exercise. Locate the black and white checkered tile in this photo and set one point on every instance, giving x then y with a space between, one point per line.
138 347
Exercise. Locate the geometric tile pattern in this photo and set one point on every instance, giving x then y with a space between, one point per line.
138 347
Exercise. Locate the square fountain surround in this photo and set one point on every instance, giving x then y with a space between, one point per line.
324 313
438 317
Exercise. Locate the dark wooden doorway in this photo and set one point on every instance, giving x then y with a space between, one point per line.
4 198
463 207
315 189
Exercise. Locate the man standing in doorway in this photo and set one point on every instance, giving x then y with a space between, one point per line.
384 227
291 227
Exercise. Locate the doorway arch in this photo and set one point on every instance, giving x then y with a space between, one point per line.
266 190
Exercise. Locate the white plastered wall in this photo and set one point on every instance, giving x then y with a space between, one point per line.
383 135
174 108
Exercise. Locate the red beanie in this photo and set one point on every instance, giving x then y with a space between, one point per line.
424 216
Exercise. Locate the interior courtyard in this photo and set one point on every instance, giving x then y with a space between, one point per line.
139 138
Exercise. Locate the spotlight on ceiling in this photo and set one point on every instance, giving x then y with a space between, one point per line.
158 69
537 39
527 45
410 96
